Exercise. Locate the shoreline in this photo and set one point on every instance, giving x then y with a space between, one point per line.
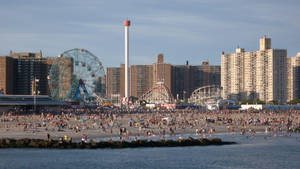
97 134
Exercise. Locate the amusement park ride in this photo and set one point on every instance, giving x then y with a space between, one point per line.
77 75
77 92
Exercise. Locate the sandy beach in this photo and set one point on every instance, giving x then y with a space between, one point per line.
143 124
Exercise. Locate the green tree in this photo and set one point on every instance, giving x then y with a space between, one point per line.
257 101
252 101
275 102
295 101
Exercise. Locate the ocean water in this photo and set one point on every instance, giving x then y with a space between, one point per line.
278 153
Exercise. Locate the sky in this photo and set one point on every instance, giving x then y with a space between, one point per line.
193 30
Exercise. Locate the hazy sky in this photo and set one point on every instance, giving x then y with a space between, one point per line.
194 30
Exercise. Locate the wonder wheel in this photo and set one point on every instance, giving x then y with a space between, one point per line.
76 75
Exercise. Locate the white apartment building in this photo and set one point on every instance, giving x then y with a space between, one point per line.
293 77
256 74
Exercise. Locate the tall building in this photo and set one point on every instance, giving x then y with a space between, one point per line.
29 66
293 77
256 74
113 83
181 80
6 75
141 79
187 78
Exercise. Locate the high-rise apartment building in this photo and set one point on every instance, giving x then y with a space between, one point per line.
293 77
29 66
113 85
141 79
6 75
187 78
256 74
181 80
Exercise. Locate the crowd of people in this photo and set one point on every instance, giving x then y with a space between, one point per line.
137 123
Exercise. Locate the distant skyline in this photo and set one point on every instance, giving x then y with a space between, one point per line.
194 30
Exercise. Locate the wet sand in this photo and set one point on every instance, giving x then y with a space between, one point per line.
93 133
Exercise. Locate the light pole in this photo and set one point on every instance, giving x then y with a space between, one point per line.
184 97
35 81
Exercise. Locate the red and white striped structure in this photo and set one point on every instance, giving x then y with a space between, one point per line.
126 24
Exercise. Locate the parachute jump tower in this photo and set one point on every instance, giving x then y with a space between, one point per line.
126 24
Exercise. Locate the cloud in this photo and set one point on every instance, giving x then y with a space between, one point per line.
182 29
103 27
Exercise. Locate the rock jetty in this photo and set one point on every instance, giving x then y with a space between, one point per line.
56 144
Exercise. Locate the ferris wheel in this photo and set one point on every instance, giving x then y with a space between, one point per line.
76 75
